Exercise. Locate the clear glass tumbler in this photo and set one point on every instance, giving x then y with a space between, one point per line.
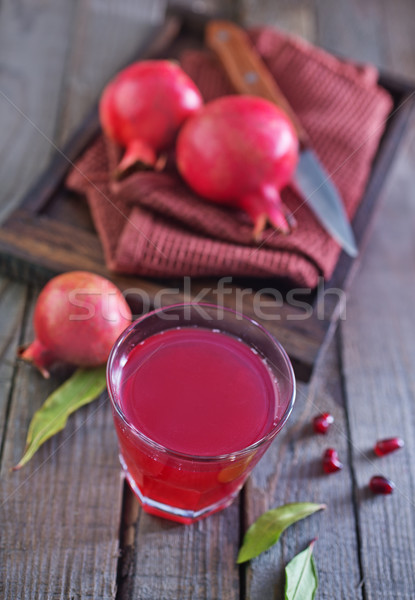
185 486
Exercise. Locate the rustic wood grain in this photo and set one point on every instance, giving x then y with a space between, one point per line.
365 546
106 37
291 471
67 548
294 16
400 17
379 361
59 513
370 31
378 353
354 29
34 39
190 562
12 305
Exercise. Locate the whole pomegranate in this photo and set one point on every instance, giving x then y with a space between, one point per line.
144 106
78 317
240 151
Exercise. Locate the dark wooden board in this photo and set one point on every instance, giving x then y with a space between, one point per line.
52 232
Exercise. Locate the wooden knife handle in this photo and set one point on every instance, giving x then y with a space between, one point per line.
245 68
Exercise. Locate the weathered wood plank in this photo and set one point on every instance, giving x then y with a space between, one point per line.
379 305
370 31
34 38
291 471
400 17
107 35
295 16
12 305
60 516
379 367
353 29
170 561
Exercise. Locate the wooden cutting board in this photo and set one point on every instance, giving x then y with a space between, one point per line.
52 232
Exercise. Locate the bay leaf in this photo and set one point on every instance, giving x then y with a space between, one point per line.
81 388
301 579
266 530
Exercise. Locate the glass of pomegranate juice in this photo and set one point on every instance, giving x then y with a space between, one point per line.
198 393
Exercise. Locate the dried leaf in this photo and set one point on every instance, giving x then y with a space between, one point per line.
266 530
301 579
80 389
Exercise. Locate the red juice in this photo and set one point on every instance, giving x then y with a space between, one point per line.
192 392
198 392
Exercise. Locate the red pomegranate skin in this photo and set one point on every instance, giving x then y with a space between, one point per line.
144 106
240 151
78 317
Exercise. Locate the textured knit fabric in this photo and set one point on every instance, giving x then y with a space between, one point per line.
152 224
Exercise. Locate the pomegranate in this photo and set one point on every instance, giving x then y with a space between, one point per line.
240 151
78 317
143 107
383 447
331 462
321 423
380 485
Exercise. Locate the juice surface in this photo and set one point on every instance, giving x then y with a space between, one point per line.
198 392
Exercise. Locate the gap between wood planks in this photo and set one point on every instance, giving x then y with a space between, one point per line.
23 324
350 460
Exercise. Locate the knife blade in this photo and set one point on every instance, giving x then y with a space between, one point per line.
249 75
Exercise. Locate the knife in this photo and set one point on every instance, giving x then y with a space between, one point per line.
249 75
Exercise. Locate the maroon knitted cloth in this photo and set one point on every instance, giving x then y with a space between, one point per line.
152 224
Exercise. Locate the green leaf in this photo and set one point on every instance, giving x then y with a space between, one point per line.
80 389
266 530
301 579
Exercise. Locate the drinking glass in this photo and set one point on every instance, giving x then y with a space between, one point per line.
176 485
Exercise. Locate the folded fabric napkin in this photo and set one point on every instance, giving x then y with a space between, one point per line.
152 224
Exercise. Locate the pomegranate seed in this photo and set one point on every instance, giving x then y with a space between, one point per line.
380 485
383 447
322 422
331 462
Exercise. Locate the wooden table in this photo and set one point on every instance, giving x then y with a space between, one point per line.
66 515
